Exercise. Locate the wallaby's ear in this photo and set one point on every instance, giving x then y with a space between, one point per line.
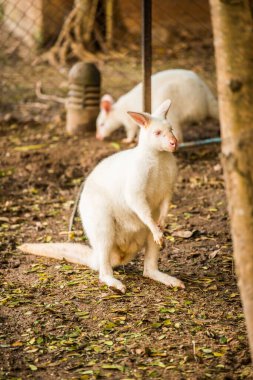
106 103
163 109
142 119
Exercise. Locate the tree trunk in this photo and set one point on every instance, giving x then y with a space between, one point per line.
87 32
233 39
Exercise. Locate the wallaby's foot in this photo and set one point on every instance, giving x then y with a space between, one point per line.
164 279
158 236
113 283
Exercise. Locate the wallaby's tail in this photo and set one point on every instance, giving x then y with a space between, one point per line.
72 252
212 105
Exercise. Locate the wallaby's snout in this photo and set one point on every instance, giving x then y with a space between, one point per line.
172 141
173 144
99 136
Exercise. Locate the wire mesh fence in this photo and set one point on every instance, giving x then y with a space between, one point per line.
41 39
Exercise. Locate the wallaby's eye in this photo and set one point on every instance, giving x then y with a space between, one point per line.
158 132
101 125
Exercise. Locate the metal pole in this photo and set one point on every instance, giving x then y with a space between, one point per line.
109 22
146 53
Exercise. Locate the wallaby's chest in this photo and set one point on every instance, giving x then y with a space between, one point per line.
159 182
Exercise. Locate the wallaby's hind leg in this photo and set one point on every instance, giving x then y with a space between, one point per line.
151 266
105 268
100 230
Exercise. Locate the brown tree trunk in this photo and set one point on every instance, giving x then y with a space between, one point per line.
87 32
233 39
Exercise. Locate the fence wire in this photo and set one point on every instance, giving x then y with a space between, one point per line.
182 38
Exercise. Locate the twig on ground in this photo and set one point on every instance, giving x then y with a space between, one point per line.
42 96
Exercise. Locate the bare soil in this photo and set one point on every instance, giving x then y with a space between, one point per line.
57 320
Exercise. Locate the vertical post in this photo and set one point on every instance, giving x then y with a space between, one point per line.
233 35
82 105
146 53
109 22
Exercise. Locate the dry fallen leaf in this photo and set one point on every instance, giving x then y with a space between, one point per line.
213 254
185 234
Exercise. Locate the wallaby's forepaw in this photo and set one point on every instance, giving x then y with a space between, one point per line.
158 236
127 140
113 283
164 279
161 222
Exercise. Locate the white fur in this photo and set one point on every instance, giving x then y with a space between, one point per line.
123 205
192 101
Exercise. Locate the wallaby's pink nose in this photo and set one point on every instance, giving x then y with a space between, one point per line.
99 137
173 143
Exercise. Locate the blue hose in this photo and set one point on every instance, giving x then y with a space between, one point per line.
190 144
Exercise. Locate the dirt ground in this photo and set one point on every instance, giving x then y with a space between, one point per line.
57 320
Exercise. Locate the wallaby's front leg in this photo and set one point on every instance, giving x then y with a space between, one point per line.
106 271
131 133
164 207
141 207
151 266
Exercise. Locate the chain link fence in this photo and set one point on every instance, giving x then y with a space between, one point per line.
111 37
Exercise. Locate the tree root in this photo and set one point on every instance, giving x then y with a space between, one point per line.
81 37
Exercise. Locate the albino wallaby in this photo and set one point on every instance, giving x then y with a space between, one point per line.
124 203
192 101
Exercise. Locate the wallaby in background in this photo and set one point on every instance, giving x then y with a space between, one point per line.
124 204
192 101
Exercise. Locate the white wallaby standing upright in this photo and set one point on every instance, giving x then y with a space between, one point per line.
124 204
192 100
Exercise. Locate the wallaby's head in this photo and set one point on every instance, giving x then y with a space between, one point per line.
156 130
107 121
